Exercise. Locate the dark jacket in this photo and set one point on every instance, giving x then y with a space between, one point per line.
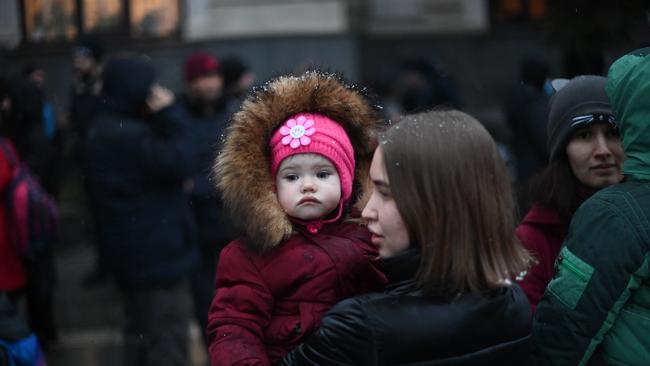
542 233
85 102
527 115
137 167
206 132
598 304
403 327
599 298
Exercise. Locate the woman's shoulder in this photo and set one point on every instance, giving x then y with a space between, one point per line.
430 328
540 215
354 311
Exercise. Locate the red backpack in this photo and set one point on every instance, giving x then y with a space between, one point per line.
32 214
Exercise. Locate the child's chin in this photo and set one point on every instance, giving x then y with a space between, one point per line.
308 216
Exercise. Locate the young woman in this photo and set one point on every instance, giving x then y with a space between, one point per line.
585 156
441 214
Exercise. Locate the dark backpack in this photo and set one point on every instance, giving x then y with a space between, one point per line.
32 214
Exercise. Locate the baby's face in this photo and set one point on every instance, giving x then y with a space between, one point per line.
308 186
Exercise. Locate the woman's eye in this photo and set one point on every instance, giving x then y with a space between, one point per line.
383 193
613 132
583 135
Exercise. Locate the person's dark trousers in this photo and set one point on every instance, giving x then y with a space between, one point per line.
41 282
203 284
156 329
39 294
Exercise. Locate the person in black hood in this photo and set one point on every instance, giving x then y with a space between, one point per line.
450 256
208 109
141 160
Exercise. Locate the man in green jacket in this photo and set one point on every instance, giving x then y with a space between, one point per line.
597 307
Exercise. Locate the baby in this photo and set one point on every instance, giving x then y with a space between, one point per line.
287 173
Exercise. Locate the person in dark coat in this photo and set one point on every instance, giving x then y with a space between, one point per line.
23 119
586 156
85 95
140 162
441 213
85 101
527 112
21 124
208 110
47 154
238 78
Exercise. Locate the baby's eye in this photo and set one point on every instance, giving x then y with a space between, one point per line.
323 174
291 177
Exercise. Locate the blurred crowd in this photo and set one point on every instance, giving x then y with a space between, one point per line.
146 157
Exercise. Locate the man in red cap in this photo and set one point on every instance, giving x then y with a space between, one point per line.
204 83
208 110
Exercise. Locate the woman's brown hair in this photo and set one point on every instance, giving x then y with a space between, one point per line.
453 192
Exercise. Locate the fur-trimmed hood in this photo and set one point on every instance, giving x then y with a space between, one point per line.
243 167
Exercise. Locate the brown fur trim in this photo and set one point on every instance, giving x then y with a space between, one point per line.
243 169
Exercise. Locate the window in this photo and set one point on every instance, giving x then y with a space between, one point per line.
518 11
65 20
50 20
155 18
103 16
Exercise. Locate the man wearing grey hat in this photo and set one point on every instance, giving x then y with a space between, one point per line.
597 307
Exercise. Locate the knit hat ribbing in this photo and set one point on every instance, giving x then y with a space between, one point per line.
581 96
201 64
307 133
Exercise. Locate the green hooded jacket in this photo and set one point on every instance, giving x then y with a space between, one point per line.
628 89
598 303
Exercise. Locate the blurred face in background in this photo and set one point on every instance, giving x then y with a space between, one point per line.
83 63
595 155
37 77
207 89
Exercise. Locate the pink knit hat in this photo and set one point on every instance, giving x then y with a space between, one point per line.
307 133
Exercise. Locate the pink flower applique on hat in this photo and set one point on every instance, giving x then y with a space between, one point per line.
296 132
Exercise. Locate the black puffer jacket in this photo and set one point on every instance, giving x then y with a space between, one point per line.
137 166
402 327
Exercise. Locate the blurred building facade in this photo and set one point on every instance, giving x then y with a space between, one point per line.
480 43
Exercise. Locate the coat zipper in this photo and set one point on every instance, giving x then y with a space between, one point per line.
573 268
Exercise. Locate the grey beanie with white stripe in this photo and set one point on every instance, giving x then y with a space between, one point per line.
581 101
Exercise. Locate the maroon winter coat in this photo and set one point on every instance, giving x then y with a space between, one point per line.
542 233
266 305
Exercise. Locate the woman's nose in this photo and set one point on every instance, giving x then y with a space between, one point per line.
369 212
602 147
